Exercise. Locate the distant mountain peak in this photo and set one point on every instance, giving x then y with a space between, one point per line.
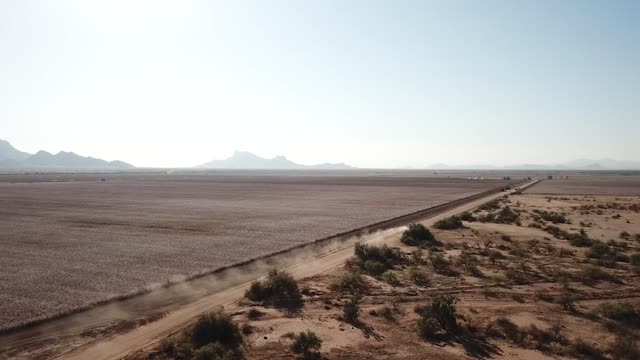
248 160
13 158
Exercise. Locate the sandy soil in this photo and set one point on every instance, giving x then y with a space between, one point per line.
592 184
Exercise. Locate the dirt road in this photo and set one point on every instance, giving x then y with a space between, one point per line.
148 335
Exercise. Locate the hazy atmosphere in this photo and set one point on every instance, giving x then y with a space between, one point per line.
367 83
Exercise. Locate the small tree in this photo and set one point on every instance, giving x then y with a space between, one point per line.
442 309
351 310
450 223
306 343
418 235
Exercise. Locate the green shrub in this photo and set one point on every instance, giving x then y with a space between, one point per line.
279 289
623 312
450 223
215 327
517 276
388 313
351 310
418 235
595 273
390 278
582 350
418 276
352 281
491 205
440 264
507 216
467 216
511 331
551 216
306 343
216 352
442 309
634 259
567 302
468 262
624 347
602 253
254 314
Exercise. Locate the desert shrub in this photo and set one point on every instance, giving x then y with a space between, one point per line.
582 350
374 260
351 281
418 235
351 310
551 216
602 253
279 289
374 267
216 352
567 301
518 250
494 256
417 257
636 237
442 309
468 262
634 259
306 343
506 238
390 278
624 347
580 239
487 218
387 313
565 252
254 314
511 331
440 264
517 276
625 235
594 273
215 327
450 223
555 231
623 312
491 205
418 276
507 216
467 216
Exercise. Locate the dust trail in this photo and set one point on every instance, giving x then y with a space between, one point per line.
162 298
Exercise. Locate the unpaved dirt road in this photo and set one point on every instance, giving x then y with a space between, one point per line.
148 335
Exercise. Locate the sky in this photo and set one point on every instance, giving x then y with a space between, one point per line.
370 83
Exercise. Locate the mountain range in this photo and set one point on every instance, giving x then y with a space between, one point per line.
12 158
579 164
247 160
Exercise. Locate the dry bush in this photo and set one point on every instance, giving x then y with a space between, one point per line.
279 289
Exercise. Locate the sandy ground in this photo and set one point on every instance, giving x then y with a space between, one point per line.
485 298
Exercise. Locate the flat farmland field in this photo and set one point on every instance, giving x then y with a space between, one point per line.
589 185
70 241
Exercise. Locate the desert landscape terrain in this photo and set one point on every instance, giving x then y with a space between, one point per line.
88 238
525 276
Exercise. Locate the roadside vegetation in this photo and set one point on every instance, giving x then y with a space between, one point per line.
279 289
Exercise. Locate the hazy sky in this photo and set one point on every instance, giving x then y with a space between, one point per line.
370 83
